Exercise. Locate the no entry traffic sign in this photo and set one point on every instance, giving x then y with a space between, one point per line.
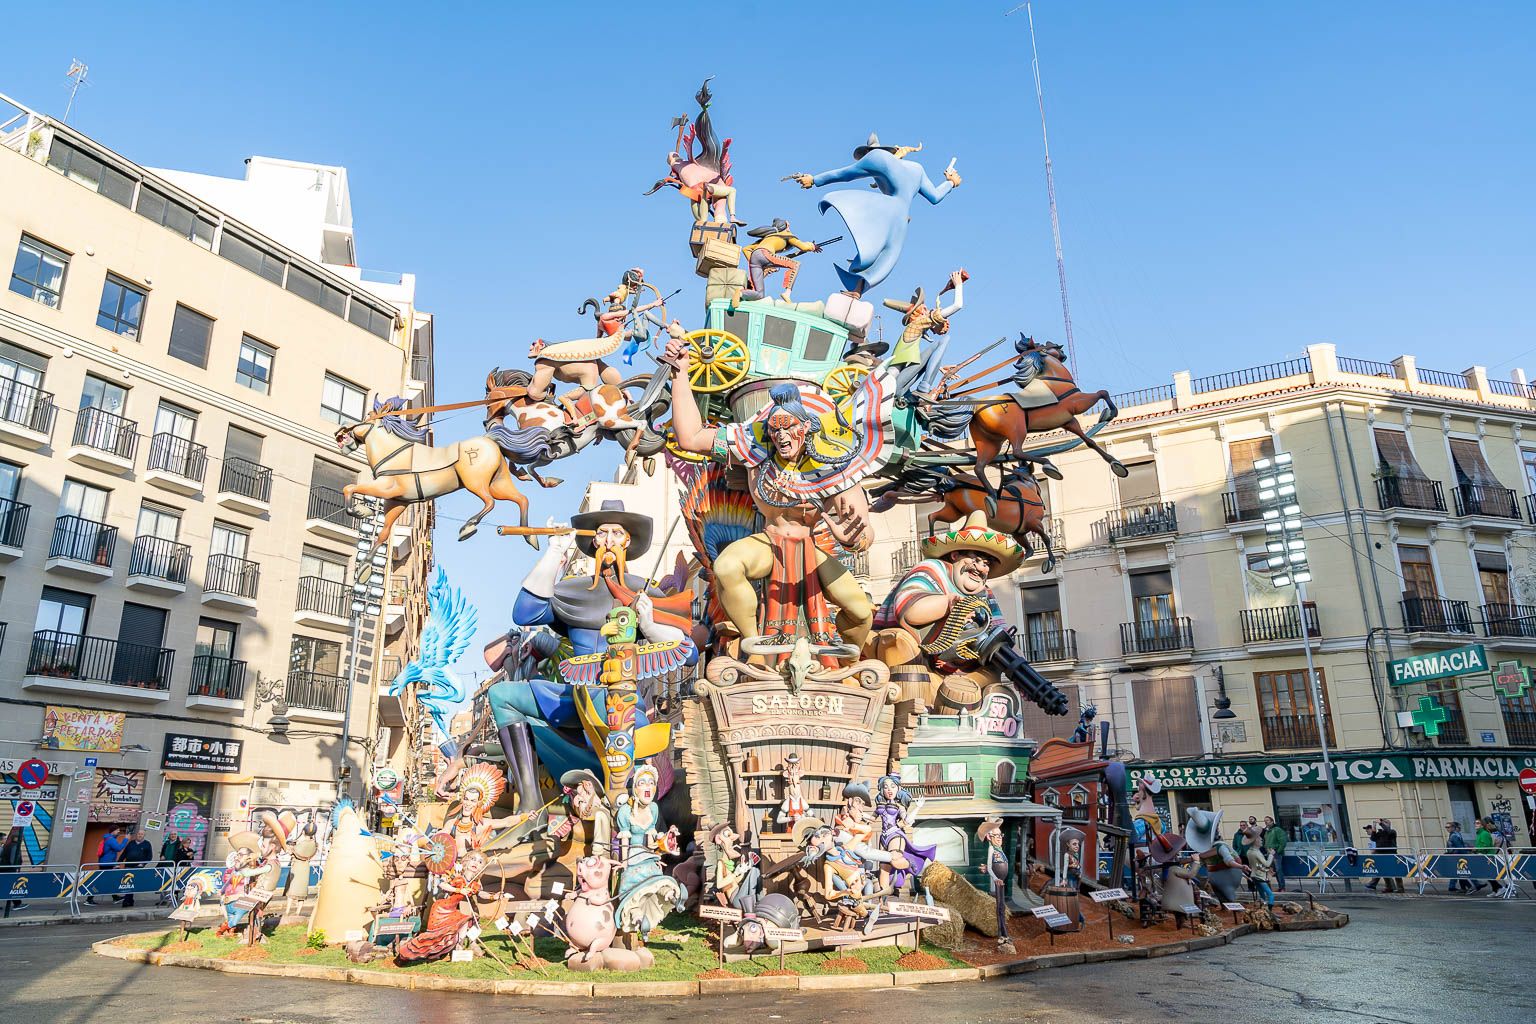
1528 780
32 773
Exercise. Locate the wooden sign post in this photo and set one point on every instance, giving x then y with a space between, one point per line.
923 913
1236 908
1102 896
720 915
1192 912
783 935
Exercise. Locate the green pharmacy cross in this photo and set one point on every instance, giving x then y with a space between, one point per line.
1511 679
1430 715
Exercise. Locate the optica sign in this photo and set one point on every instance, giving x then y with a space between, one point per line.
1458 661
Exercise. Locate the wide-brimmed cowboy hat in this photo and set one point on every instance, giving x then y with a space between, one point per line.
612 512
576 776
987 827
779 224
975 534
803 827
870 146
1200 833
1164 847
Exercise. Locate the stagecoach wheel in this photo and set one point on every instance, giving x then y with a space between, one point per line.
842 381
665 430
718 360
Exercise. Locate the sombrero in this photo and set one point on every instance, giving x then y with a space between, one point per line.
1200 833
638 526
975 534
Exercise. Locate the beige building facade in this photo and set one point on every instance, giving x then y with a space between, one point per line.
177 559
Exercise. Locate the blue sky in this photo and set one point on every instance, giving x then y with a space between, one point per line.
1236 181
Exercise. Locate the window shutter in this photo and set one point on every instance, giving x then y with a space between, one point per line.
1139 486
1393 448
189 336
1471 467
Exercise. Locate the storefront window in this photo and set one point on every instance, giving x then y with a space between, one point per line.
1307 815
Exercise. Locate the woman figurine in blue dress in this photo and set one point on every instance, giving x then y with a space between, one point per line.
646 892
897 811
877 217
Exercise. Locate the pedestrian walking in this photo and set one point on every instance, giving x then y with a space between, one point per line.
1456 842
1275 838
1502 841
136 853
108 853
10 862
1386 842
169 855
1370 846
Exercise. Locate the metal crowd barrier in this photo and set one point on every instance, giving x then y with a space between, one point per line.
75 883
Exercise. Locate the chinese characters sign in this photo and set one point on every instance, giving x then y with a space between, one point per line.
82 729
201 754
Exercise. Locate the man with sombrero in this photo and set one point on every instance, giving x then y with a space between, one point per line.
930 622
767 254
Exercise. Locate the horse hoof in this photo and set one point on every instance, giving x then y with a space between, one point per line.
468 530
1118 468
1050 565
1051 471
364 573
552 481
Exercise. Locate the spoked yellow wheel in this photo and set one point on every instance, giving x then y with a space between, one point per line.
666 431
842 381
719 360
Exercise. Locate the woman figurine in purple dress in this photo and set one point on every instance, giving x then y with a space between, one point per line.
896 811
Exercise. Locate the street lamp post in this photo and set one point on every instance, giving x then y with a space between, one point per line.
1288 566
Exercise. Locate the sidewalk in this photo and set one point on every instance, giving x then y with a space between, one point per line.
49 912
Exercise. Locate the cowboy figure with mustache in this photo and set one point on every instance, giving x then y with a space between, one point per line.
940 607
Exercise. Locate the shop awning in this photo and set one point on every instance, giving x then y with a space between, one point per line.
985 809
218 777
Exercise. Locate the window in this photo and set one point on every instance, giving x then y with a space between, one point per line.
341 401
309 286
331 476
254 370
1152 597
63 611
818 344
177 216
1418 572
10 480
176 421
240 443
1167 717
83 500
159 521
122 307
320 566
1042 622
1528 464
1287 713
1395 456
253 257
1243 455
229 540
1471 468
1493 575
1453 731
308 654
103 395
39 271
370 319
778 332
21 375
1139 485
80 167
215 639
190 333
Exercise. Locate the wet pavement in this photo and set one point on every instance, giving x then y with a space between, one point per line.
1400 961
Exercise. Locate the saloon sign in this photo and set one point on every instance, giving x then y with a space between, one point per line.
1355 768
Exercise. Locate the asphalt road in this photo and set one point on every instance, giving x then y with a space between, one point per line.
1400 961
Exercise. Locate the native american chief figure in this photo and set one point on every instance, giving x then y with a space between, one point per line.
803 472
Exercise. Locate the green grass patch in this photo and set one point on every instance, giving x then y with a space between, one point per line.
681 948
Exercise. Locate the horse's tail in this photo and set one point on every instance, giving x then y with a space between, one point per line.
521 444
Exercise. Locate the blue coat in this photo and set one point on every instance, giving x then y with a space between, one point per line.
877 218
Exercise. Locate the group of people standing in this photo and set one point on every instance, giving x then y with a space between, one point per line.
1489 841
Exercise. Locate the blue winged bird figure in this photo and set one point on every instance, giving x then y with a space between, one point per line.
451 622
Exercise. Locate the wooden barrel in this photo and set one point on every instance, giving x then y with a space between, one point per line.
1067 900
916 682
959 692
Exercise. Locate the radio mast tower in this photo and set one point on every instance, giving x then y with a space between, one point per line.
1050 189
76 74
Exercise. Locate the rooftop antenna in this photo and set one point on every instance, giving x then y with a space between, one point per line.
1050 187
76 75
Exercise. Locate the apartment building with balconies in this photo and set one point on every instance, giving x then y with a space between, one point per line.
176 559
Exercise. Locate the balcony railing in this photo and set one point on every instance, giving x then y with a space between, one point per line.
1435 615
1050 645
1444 379
213 676
1252 375
1410 492
1264 625
389 667
1015 790
1366 367
1520 727
1293 732
13 522
83 540
245 478
908 553
99 660
26 406
1148 520
1241 506
1145 396
327 503
102 431
963 788
160 558
232 575
1157 636
1511 620
328 597
856 562
1478 500
316 691
171 454
1530 508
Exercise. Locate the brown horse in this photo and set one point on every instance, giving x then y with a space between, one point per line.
408 471
1050 400
1019 510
